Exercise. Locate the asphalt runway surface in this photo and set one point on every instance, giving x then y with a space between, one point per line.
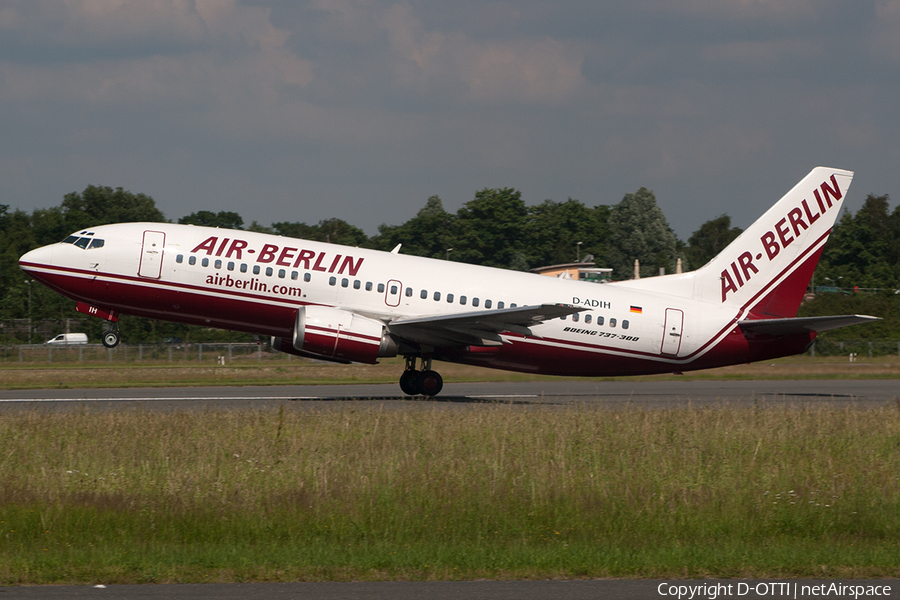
652 394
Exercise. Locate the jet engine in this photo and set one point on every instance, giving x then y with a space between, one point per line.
337 335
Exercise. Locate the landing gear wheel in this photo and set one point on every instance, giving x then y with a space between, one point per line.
111 339
409 382
425 382
430 383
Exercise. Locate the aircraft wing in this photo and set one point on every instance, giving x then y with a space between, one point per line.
481 328
802 324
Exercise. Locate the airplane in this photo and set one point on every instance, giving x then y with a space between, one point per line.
345 304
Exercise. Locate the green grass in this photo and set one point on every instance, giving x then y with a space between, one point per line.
485 491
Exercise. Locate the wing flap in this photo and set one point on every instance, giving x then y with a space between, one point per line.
479 328
802 324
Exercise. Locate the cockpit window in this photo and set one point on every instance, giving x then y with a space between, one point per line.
84 240
86 243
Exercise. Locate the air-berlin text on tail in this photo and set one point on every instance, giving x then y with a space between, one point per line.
285 256
787 230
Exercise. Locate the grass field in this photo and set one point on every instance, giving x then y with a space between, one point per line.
278 370
484 491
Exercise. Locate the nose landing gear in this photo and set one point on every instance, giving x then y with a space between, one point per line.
420 382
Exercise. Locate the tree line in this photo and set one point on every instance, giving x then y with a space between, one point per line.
496 228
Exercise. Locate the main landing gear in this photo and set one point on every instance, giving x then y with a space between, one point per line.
425 381
110 337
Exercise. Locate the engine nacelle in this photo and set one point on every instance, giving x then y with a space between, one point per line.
338 335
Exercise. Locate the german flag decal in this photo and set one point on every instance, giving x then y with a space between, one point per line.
636 309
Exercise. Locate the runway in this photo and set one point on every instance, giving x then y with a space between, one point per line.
651 394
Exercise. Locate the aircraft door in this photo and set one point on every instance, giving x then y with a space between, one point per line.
392 293
672 331
152 254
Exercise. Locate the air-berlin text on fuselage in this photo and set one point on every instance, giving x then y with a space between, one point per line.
786 231
285 256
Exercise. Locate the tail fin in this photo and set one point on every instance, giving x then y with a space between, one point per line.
766 270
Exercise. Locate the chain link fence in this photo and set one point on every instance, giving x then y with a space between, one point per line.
208 353
857 348
247 353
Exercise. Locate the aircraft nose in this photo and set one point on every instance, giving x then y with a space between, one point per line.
39 257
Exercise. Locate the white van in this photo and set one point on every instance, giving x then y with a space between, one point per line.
67 339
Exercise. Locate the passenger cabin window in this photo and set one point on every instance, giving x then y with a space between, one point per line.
625 324
575 317
462 299
437 296
306 277
380 288
393 289
332 280
179 259
475 301
218 264
269 271
612 322
230 265
256 269
345 282
409 292
356 284
587 318
294 275
243 267
423 294
500 305
450 298
487 303
281 273
204 262
599 320
192 260
368 286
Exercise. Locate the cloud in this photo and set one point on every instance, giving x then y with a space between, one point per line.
155 51
367 107
531 70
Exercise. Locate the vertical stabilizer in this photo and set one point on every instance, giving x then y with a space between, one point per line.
766 270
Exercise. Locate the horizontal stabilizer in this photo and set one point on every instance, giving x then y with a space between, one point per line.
802 324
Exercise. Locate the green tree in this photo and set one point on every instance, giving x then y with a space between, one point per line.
207 218
864 249
708 241
554 230
638 230
429 233
489 228
331 231
102 205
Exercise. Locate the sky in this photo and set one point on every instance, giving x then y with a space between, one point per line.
288 110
